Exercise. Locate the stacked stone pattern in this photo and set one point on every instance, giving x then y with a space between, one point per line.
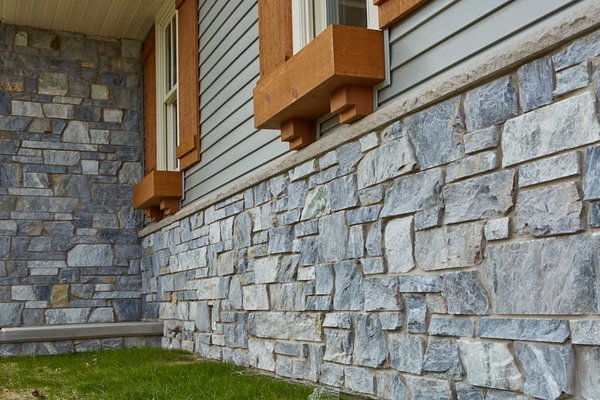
70 153
453 254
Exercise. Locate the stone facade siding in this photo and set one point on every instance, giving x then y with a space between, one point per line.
453 254
70 153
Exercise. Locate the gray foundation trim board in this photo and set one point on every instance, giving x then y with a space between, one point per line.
79 331
572 22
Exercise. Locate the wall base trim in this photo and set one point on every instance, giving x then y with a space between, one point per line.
79 331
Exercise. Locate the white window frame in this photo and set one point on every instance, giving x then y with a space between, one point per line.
309 18
167 120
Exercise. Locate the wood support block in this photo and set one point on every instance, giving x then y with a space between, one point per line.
155 214
170 205
352 102
298 132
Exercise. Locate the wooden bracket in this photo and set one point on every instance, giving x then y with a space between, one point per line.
155 214
298 132
170 205
352 102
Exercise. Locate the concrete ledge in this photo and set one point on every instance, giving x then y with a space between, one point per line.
575 21
53 333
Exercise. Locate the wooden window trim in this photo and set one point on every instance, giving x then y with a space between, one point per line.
160 192
391 11
295 90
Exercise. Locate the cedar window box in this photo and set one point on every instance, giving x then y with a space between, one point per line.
334 73
159 193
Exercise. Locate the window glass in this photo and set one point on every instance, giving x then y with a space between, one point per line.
167 88
347 12
311 17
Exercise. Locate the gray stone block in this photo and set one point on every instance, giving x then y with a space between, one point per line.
535 84
89 255
359 380
497 229
442 358
491 104
342 193
370 348
349 287
586 332
570 79
591 174
416 314
537 330
593 216
381 294
280 240
455 246
317 203
472 165
286 325
428 218
406 353
560 126
339 345
388 161
428 388
333 237
255 297
503 373
419 283
10 314
398 242
412 193
559 272
449 326
67 316
466 392
588 379
549 169
436 133
465 293
549 211
549 370
578 51
478 198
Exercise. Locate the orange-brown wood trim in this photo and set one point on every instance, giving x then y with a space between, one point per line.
352 103
390 11
179 3
298 132
274 33
149 54
301 87
157 186
189 99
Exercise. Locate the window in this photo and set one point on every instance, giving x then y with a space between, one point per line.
167 132
311 17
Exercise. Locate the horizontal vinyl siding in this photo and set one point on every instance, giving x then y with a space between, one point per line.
229 68
445 33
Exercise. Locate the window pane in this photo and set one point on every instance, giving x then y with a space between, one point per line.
168 50
174 52
347 12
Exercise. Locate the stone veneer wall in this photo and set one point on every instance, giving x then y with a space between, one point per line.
70 153
453 254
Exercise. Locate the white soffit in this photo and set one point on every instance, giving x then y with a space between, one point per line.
131 19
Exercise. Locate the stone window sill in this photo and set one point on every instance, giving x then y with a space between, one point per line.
159 193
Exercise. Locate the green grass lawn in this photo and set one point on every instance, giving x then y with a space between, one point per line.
137 374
